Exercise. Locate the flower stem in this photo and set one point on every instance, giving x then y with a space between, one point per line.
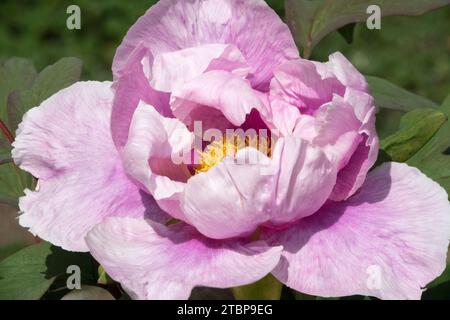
8 135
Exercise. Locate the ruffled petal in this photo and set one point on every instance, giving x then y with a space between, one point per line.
236 196
338 130
154 154
131 87
298 83
232 198
389 240
346 73
359 159
152 261
66 143
224 91
172 69
254 28
305 179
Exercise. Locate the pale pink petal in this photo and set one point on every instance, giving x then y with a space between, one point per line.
130 88
220 90
152 261
284 117
236 196
66 143
353 174
255 29
305 179
337 130
346 73
172 69
153 155
232 198
345 129
298 83
389 240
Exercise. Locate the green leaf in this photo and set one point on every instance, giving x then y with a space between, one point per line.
52 79
434 158
311 20
268 288
390 96
388 122
13 181
22 275
23 90
5 150
347 32
59 259
29 273
103 277
417 127
15 74
393 102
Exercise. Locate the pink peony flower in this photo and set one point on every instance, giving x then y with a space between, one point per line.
125 173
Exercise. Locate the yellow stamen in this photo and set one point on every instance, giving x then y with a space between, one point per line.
216 151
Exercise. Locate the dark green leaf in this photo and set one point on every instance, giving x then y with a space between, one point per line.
268 288
347 32
59 259
388 122
390 96
22 275
15 74
393 102
52 79
434 158
5 150
29 273
13 181
23 91
417 127
311 20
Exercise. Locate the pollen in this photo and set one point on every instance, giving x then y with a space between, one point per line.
218 150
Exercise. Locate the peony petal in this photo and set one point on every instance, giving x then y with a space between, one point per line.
152 261
232 198
130 88
66 143
305 179
284 117
236 196
338 130
153 155
220 90
359 162
172 69
254 28
345 129
346 73
298 83
389 240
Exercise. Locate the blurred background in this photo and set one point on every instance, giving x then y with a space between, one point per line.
413 52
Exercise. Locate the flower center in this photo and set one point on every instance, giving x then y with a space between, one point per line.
218 150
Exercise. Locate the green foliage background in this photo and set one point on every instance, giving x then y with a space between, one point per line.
413 52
